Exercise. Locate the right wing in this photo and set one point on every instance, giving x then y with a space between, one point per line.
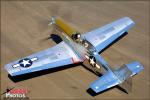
59 55
100 38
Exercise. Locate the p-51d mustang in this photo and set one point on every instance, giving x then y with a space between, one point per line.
77 48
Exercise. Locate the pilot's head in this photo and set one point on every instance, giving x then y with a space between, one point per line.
76 36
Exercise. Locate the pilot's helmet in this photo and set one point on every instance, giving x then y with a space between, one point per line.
76 36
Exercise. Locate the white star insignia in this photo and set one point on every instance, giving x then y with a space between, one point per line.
25 62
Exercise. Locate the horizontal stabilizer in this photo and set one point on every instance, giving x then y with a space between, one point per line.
106 81
116 77
135 67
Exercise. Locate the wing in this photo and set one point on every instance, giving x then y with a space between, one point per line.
59 55
106 81
102 37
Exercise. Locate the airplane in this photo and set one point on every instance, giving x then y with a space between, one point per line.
80 48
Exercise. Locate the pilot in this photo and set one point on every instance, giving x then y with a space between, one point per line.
76 36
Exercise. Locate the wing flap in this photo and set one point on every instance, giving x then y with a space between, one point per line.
59 55
102 37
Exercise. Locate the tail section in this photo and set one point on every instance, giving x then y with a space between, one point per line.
116 77
125 74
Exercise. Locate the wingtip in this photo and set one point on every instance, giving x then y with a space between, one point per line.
6 67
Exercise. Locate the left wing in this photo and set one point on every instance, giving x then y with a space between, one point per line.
102 37
59 55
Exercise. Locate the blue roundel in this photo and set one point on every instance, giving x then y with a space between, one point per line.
26 62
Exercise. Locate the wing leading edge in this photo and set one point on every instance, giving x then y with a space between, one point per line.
59 55
102 37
